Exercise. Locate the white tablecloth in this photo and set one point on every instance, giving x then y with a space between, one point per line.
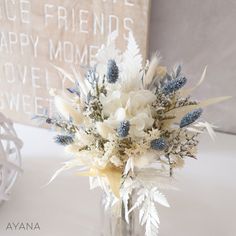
204 206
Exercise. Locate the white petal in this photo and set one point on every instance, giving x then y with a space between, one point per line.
120 114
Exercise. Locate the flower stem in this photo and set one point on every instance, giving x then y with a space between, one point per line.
126 227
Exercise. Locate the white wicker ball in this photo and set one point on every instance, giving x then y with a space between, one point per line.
10 157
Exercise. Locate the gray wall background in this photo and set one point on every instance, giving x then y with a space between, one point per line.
199 33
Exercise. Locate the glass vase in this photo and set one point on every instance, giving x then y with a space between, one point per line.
114 223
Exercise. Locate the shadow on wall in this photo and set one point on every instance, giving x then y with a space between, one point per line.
196 35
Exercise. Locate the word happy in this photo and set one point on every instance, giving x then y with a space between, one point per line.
11 42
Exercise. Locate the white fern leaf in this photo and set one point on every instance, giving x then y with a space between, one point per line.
127 188
144 213
129 166
154 215
151 228
93 182
149 217
154 221
141 197
160 198
132 54
104 185
107 201
148 214
132 63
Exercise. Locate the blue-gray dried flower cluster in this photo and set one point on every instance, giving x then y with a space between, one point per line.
123 129
190 117
174 85
112 71
159 144
63 139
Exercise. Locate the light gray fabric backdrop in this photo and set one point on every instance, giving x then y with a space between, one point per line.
200 33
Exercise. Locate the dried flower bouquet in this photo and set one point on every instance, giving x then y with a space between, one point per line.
129 127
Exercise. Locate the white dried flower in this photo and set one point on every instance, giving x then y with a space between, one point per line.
67 111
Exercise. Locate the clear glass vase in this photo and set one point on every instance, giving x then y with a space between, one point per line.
114 223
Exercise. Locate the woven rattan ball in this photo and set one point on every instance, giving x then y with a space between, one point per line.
10 157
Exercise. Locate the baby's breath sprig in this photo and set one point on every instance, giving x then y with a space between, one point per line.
94 109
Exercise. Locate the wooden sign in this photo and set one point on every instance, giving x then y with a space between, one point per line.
36 34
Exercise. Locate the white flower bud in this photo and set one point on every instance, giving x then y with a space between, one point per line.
67 111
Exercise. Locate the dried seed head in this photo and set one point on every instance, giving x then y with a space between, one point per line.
112 71
174 85
49 120
123 129
190 117
63 139
159 144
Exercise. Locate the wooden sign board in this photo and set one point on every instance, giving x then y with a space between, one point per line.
36 34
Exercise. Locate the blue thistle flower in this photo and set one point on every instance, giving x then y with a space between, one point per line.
63 139
190 117
123 129
174 85
159 144
112 71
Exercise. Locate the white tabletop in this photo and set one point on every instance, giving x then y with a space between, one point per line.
204 206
